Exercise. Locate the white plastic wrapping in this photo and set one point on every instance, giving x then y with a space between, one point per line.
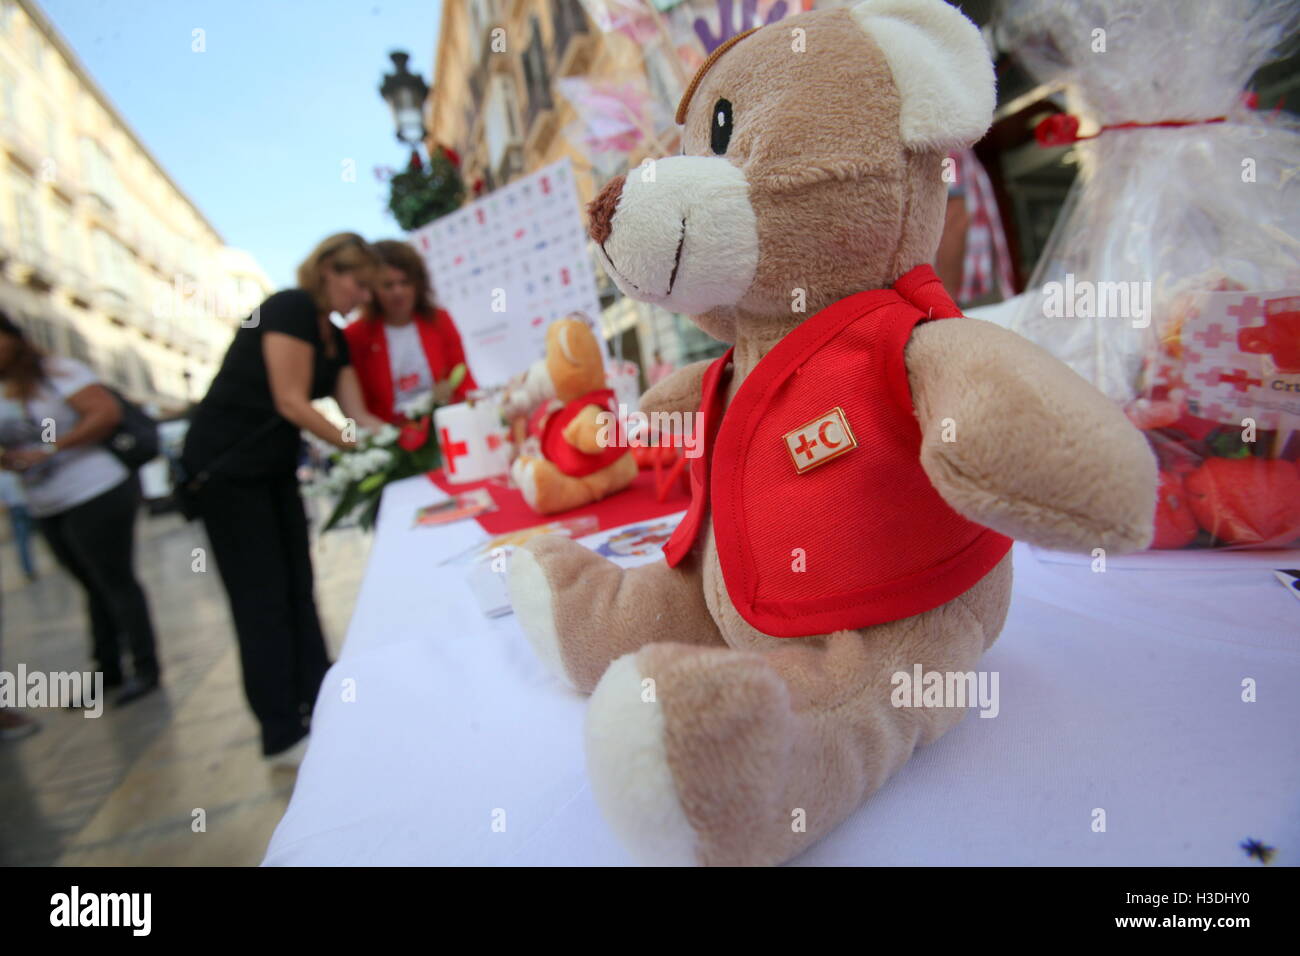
1170 280
1169 208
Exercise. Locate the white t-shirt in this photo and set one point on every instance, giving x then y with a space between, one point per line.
408 363
70 477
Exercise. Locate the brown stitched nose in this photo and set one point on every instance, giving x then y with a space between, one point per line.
601 209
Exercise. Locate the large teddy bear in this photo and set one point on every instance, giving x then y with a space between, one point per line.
869 453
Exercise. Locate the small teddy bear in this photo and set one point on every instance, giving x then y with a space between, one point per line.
869 453
575 452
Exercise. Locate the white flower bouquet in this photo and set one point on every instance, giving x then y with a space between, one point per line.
357 476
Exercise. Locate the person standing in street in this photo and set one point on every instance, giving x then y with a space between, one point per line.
20 521
241 458
54 419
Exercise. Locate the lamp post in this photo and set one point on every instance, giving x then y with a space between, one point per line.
404 92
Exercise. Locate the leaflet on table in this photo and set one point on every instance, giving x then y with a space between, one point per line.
626 545
503 543
464 504
489 562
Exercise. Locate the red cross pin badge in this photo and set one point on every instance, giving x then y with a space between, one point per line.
825 437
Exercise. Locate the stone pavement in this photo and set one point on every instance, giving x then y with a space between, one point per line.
123 789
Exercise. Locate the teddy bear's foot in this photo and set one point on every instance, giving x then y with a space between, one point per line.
612 478
688 750
729 757
547 489
521 475
580 611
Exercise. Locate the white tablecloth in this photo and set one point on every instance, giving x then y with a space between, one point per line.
1119 690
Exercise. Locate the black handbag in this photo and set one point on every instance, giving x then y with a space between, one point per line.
186 487
135 440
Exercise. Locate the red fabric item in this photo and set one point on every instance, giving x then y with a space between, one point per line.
636 502
369 349
863 538
564 456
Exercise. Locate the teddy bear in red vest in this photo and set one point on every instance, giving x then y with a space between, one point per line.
575 451
868 453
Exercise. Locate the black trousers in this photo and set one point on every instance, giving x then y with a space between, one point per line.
258 532
95 542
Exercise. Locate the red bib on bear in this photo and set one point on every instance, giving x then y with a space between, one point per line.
823 518
570 460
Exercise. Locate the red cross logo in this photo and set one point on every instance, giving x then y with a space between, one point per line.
451 450
1213 336
1209 377
825 437
1247 312
1240 379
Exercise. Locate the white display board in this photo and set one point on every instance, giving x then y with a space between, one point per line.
508 265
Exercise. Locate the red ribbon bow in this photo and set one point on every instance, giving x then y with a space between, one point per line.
1059 129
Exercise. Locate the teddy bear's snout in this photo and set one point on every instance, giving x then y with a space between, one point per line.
679 232
601 209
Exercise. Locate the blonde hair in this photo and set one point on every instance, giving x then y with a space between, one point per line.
341 252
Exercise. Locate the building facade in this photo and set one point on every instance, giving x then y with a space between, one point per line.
495 99
102 257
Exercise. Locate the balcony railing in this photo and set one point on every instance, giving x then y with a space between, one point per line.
75 282
539 101
35 265
111 301
478 84
20 143
569 23
511 163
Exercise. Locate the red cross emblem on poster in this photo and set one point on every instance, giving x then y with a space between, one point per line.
826 437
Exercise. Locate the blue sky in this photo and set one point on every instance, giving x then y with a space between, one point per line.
256 128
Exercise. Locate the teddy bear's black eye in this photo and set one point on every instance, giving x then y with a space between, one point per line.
720 132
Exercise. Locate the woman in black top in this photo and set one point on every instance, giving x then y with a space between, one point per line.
245 435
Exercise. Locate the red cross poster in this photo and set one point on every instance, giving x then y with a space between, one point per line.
509 264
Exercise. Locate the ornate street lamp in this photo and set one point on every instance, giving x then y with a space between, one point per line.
404 92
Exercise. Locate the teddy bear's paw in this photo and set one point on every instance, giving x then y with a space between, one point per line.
523 474
531 597
688 752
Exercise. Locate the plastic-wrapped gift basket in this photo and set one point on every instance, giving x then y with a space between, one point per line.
1172 278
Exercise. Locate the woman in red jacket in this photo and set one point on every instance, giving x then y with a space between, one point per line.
403 345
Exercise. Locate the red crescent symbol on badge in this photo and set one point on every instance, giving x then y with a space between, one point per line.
821 433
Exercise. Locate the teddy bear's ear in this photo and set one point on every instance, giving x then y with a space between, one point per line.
940 66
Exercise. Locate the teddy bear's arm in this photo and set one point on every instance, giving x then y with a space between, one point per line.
1015 440
679 392
584 431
